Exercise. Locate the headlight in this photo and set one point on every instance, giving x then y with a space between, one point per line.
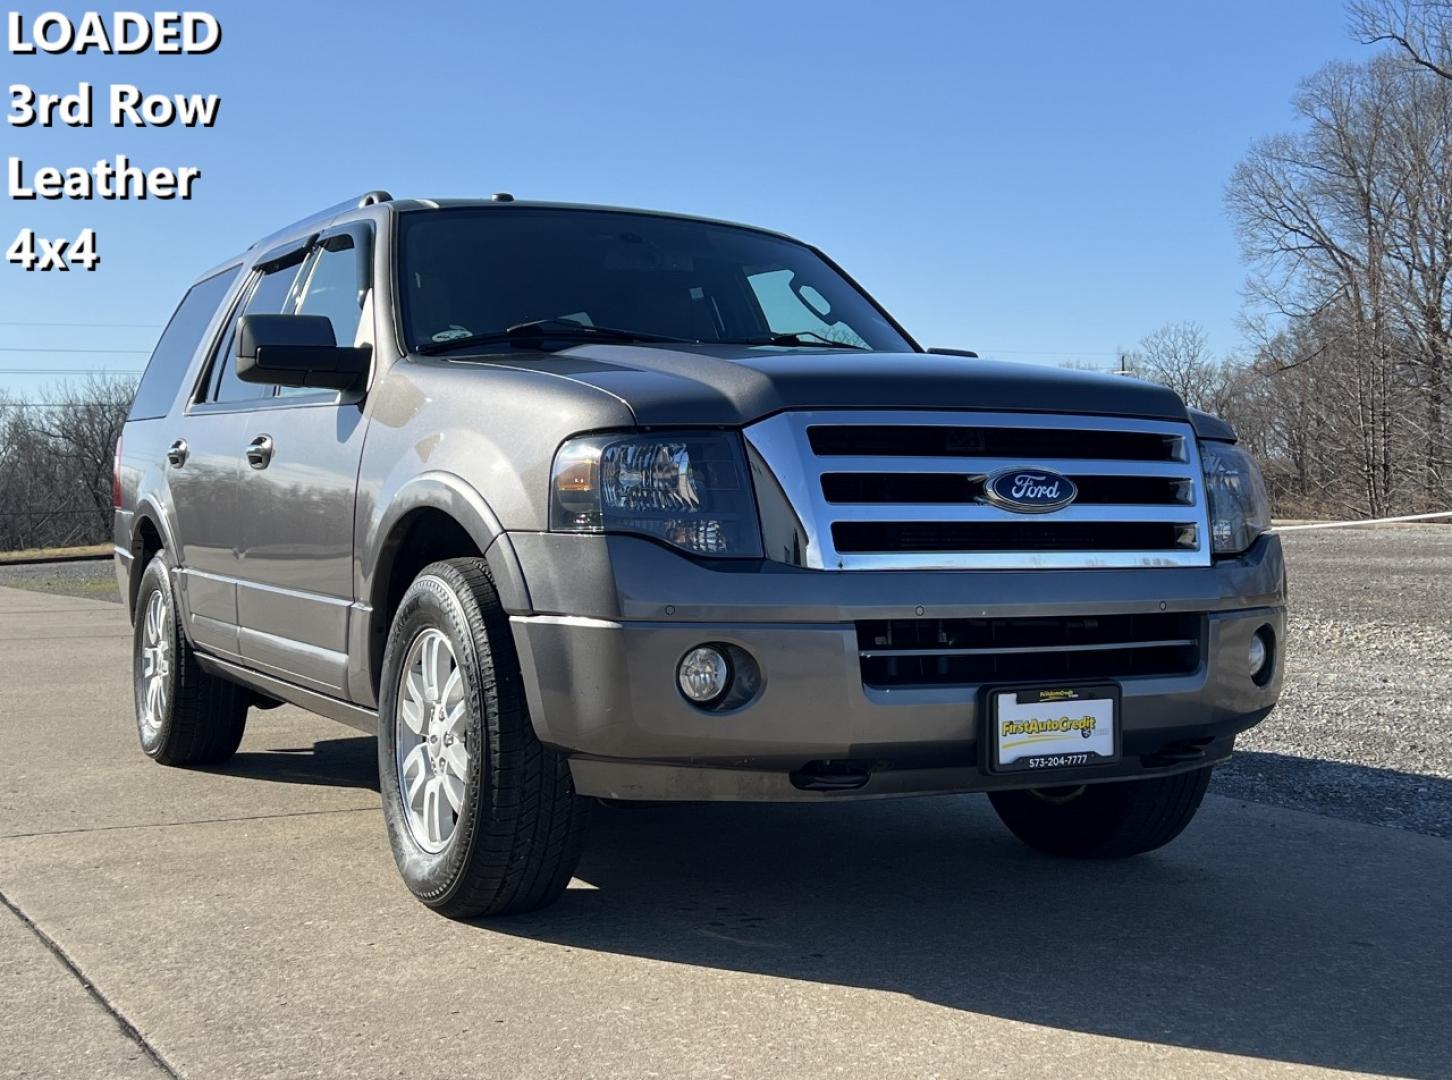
690 489
1239 508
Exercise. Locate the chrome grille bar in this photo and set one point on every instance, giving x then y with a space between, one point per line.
982 466
785 447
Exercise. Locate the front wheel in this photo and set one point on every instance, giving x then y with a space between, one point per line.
1103 821
483 820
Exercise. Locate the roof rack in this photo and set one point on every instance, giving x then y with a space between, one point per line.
322 217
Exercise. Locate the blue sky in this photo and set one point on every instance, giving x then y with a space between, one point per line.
1038 182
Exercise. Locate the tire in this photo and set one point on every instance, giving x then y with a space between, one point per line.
483 820
1103 821
183 715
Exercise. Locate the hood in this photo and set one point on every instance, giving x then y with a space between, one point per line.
734 385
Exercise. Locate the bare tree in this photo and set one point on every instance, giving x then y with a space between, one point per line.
1347 223
55 463
1178 355
1421 29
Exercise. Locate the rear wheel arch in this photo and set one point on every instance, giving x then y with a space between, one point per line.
148 537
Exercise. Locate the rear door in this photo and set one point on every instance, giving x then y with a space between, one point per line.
295 587
206 484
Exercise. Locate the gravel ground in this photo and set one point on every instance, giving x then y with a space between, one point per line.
1364 727
92 579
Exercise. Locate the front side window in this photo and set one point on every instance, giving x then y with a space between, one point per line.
272 294
335 288
469 272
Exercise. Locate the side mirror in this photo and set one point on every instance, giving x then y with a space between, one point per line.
954 352
297 350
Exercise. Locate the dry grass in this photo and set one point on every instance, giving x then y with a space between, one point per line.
54 554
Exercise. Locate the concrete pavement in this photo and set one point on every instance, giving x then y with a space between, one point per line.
249 922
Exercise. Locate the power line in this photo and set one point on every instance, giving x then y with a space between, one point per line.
1052 352
48 349
69 371
90 325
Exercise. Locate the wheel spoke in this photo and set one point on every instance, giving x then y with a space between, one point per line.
413 716
426 668
457 720
453 789
415 774
452 686
443 665
436 815
456 760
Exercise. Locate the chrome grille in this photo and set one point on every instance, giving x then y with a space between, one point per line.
903 490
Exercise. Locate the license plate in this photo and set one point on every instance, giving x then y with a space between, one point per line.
1049 728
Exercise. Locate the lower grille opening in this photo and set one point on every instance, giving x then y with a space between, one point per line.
858 537
953 652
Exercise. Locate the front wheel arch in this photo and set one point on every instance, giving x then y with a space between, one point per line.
435 516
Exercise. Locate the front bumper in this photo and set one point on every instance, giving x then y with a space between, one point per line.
613 616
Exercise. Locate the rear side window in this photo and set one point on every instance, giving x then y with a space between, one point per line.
179 341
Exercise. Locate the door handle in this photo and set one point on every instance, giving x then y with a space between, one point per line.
259 452
176 453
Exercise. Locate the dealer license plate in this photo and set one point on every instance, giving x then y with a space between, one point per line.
1053 727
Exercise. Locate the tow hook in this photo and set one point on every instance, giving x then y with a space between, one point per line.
830 776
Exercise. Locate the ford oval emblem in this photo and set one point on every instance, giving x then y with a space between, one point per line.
1029 491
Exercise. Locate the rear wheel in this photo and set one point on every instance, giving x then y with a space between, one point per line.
1103 821
483 820
183 715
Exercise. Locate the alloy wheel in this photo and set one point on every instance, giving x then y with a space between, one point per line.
431 743
155 667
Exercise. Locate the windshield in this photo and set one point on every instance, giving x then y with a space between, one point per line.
476 272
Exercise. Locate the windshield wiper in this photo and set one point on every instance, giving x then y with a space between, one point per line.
533 334
796 339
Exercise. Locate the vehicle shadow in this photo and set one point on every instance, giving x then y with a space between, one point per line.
347 762
1281 936
1259 933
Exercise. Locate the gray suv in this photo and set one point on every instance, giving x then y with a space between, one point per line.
573 505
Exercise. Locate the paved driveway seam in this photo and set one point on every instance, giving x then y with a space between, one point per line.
183 824
128 1029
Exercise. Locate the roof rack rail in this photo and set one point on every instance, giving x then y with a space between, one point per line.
322 217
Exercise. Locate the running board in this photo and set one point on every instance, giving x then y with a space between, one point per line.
355 716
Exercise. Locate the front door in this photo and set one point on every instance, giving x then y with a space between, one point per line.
297 490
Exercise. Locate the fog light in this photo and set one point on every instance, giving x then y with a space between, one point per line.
704 675
1259 658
